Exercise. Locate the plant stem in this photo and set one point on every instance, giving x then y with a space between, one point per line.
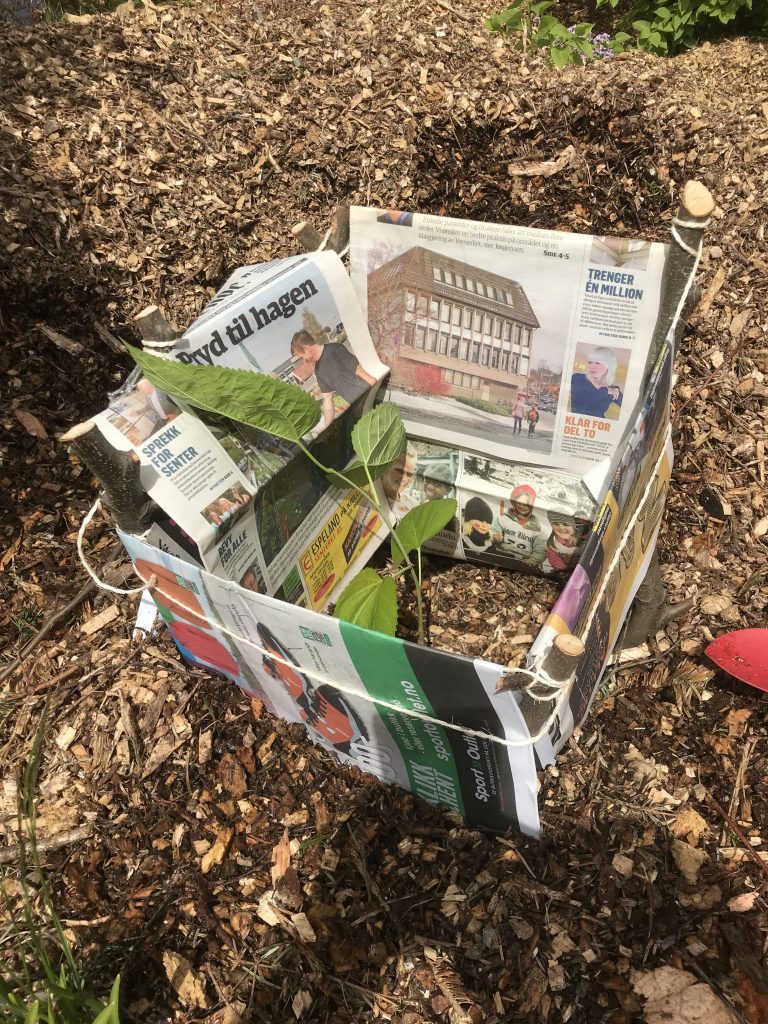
374 502
419 597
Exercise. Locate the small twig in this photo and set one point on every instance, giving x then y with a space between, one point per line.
737 832
108 338
74 835
453 11
689 960
748 748
88 590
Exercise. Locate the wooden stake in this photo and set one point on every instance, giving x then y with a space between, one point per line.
696 206
307 235
311 239
153 326
339 239
118 473
563 657
559 664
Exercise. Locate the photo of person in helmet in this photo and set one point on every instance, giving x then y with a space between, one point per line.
517 531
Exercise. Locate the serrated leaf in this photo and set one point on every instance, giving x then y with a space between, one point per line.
421 523
379 436
369 601
243 395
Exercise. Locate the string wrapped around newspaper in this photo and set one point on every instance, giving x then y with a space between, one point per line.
241 578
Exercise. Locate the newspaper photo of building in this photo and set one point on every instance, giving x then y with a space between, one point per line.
461 343
448 328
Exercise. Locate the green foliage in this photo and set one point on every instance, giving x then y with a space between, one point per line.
27 621
419 525
288 412
242 395
574 44
378 439
379 436
370 600
676 25
660 27
48 984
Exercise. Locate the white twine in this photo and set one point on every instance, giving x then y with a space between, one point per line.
96 579
324 242
161 345
696 225
617 555
325 238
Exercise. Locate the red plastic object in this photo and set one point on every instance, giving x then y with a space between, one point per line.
743 654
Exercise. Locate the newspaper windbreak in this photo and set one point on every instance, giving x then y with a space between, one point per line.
244 504
428 721
514 342
373 700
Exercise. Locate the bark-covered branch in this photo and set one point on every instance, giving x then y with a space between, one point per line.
696 206
118 473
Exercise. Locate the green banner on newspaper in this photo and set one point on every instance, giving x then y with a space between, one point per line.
424 745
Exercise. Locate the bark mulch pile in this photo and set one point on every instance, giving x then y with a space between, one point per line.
230 870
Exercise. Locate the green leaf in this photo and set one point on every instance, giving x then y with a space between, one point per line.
585 46
110 1014
550 24
560 57
509 19
421 523
369 601
379 436
243 395
33 1013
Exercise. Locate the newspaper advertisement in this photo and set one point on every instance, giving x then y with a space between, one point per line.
516 342
245 504
521 517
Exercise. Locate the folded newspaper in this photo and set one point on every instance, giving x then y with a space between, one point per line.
521 517
509 342
243 504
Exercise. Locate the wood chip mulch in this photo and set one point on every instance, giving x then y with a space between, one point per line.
226 867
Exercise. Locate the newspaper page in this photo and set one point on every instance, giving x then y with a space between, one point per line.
516 342
597 597
521 517
245 504
394 709
296 319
